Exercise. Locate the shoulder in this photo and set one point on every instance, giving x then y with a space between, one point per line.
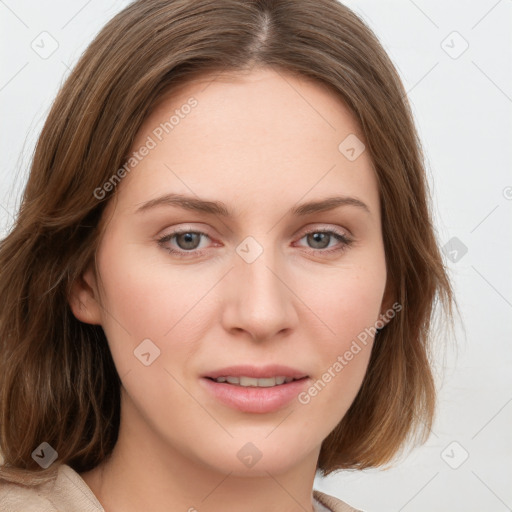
17 497
65 491
333 504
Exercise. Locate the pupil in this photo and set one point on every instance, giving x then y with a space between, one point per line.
189 238
316 239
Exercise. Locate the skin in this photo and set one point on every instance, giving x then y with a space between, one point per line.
260 142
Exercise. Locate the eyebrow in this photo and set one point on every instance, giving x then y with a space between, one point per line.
219 208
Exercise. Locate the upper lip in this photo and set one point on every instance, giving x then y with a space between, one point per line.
258 372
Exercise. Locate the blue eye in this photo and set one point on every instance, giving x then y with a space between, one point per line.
319 236
189 240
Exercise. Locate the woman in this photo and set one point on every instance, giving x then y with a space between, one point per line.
222 275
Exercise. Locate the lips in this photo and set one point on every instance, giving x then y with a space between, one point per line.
261 372
254 400
247 395
254 382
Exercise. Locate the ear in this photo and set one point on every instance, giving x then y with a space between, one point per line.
83 298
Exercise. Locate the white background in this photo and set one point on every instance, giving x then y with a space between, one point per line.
463 110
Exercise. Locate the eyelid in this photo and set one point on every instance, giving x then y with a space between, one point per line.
345 239
322 227
343 236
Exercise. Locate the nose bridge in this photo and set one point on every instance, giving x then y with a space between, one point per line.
262 300
256 269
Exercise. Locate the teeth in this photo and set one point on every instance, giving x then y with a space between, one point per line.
253 382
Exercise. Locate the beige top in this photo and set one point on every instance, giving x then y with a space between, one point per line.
68 492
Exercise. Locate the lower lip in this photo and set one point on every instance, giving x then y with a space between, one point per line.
253 399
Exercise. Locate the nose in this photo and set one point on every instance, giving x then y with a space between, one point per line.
260 299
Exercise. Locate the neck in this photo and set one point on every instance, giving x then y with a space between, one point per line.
145 473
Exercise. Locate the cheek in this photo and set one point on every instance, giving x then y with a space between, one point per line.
359 305
145 299
347 306
345 301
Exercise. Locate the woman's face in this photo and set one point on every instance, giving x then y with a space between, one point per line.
257 287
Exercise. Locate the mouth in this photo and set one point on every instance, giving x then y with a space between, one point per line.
253 389
256 376
244 381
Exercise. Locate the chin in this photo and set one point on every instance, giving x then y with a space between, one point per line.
253 459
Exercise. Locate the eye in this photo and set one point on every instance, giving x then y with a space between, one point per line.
320 239
187 242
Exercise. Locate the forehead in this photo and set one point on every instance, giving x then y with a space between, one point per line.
259 99
262 136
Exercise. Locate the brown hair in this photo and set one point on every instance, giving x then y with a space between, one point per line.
58 382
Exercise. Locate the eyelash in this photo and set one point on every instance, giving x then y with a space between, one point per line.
345 242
